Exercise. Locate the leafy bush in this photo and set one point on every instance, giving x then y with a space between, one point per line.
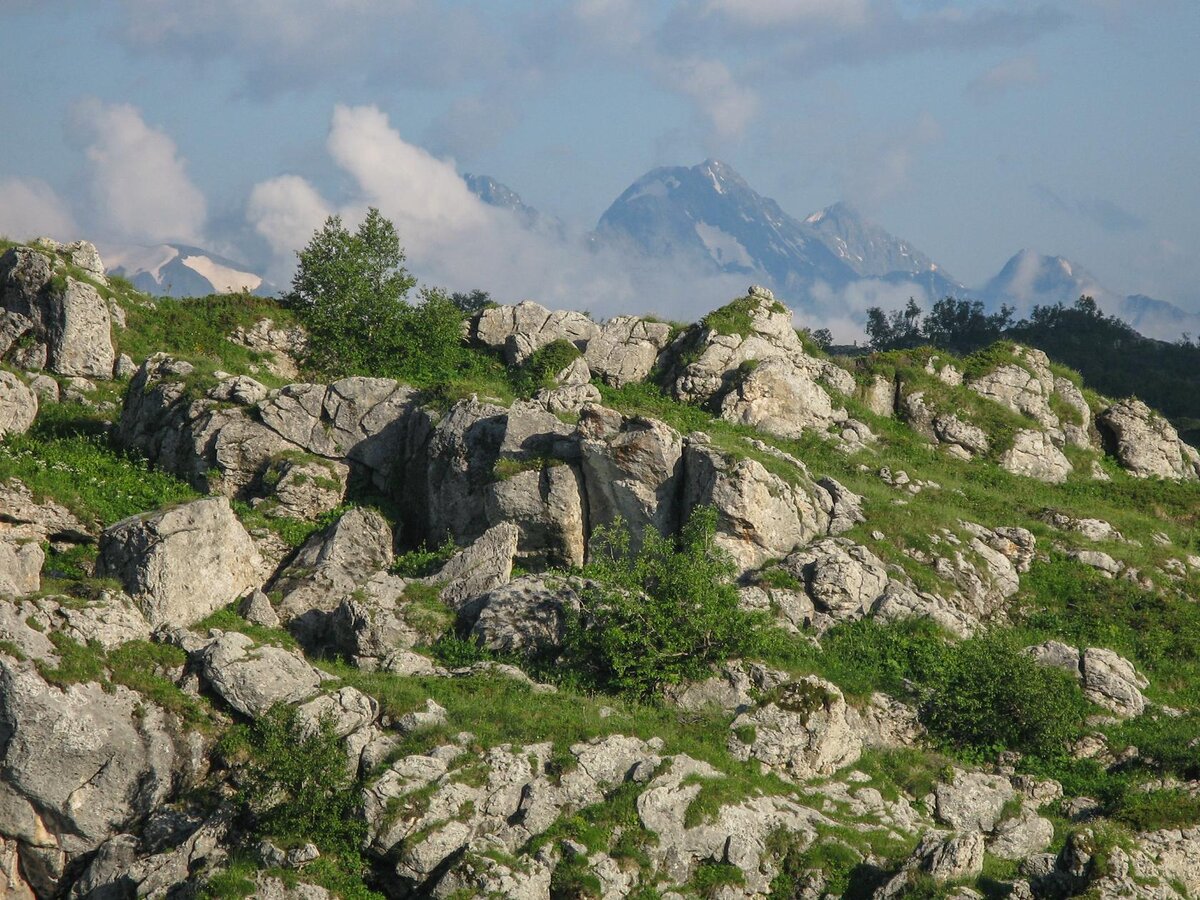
350 291
993 697
539 370
661 614
294 786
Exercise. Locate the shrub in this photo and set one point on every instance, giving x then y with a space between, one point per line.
661 614
351 291
993 697
294 786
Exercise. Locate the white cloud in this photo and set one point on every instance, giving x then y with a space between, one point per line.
708 83
285 212
30 208
138 180
1006 76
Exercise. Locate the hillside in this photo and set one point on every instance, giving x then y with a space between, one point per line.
583 610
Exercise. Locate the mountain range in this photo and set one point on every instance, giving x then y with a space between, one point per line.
181 270
708 218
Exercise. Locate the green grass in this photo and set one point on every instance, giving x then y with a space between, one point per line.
67 458
199 329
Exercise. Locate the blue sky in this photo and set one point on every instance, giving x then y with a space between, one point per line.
972 129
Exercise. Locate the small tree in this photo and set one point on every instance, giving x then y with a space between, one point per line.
661 614
349 291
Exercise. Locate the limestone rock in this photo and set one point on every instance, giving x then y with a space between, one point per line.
252 679
1034 455
526 617
22 517
760 516
972 801
1145 443
182 563
1108 680
520 331
69 320
626 349
307 488
80 763
481 567
20 567
632 470
843 579
1021 836
18 405
334 563
800 730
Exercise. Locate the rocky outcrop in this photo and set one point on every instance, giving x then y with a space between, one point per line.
747 362
760 515
333 564
18 405
626 349
183 563
632 470
81 763
68 326
1034 455
20 567
1145 443
843 579
800 729
527 617
251 678
520 331
1108 680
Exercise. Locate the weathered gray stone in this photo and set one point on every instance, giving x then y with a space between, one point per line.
18 405
972 801
626 349
1022 835
632 470
334 563
1034 455
520 331
20 567
800 730
1145 443
182 563
527 616
844 579
481 567
760 516
252 679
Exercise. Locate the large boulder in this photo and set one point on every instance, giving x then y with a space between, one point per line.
182 563
799 729
972 801
626 349
334 563
527 616
1107 679
251 678
80 764
482 567
18 405
20 567
1145 443
69 321
1034 455
779 397
843 579
520 331
761 516
632 470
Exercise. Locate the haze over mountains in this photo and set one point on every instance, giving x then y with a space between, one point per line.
707 218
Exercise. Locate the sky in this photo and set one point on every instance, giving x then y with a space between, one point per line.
972 129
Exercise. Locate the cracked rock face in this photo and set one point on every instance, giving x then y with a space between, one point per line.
1145 443
114 760
18 405
801 729
520 331
182 563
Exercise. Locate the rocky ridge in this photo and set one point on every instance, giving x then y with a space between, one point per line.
198 618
